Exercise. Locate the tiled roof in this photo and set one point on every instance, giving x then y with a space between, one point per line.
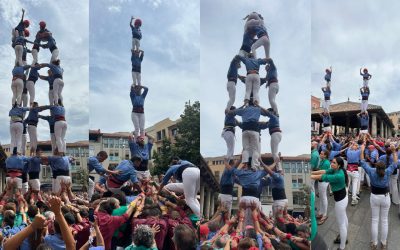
346 107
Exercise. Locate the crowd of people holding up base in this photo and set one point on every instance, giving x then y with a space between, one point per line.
343 163
135 210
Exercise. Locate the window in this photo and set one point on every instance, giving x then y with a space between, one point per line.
163 134
297 181
298 198
299 168
105 142
286 167
306 168
293 168
217 173
111 143
159 136
174 132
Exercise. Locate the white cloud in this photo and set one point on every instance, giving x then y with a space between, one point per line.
114 9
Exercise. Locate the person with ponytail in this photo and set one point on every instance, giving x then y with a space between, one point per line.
336 176
380 199
322 187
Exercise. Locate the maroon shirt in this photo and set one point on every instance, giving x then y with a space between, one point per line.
160 236
108 224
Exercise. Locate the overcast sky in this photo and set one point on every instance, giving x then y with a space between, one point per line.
353 34
170 68
69 23
288 25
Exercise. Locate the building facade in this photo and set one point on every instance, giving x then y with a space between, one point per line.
296 173
395 118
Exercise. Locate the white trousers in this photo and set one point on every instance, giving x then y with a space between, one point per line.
35 184
276 138
394 190
16 129
90 189
341 220
24 139
57 89
365 83
231 88
273 90
51 96
30 86
354 179
19 50
143 175
17 87
252 86
226 201
248 200
24 100
251 145
244 53
262 41
35 56
54 55
323 198
229 138
135 44
190 186
60 129
279 206
25 187
380 205
326 104
15 179
53 142
57 183
136 78
32 130
138 122
364 105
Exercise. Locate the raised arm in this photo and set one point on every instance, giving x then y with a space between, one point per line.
55 206
130 23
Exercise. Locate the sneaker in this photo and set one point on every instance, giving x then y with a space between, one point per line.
358 197
373 246
337 240
354 202
383 246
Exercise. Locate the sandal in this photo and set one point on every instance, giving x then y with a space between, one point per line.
337 240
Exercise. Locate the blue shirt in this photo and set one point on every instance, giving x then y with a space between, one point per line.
33 115
51 42
252 63
383 158
55 241
364 120
59 163
16 162
34 164
56 70
8 231
50 80
333 154
138 100
227 177
326 119
376 181
94 164
248 40
144 152
249 113
18 111
273 121
57 110
137 61
127 172
272 72
260 30
136 33
276 180
365 75
230 120
233 70
336 146
373 155
327 92
353 156
365 94
328 76
172 170
19 70
34 74
249 178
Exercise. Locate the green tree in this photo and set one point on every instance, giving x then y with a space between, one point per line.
188 140
163 158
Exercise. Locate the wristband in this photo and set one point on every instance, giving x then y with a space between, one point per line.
288 236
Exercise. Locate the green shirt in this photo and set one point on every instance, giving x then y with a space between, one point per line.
314 159
17 220
131 247
324 164
119 212
336 178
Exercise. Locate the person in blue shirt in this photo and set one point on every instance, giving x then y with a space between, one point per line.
51 45
363 117
276 134
16 115
366 76
248 41
327 98
32 122
253 78
136 59
328 75
137 98
232 80
380 198
50 79
262 38
30 82
226 184
15 166
136 33
60 125
364 91
22 25
17 84
253 19
126 172
51 120
137 146
34 175
228 133
326 121
353 162
250 131
188 176
57 75
43 32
